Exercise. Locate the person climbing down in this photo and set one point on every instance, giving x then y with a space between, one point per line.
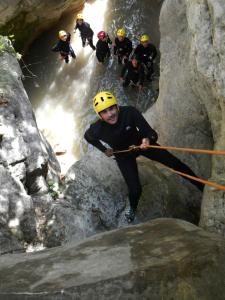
133 73
102 46
146 52
63 46
122 46
121 127
86 32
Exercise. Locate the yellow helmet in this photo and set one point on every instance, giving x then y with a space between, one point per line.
103 100
80 17
144 38
62 33
121 32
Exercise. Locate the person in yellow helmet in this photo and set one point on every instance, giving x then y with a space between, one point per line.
146 52
122 46
120 127
86 32
63 46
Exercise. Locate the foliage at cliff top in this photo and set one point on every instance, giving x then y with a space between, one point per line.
6 46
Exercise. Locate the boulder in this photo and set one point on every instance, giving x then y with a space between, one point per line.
162 259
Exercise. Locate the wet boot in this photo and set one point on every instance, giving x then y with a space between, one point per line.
130 215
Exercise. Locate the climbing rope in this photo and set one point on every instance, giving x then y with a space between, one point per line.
212 152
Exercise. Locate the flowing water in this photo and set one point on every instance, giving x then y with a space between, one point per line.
61 94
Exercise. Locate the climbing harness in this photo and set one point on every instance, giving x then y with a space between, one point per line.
212 152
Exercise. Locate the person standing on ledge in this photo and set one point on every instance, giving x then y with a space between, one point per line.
123 126
86 32
64 47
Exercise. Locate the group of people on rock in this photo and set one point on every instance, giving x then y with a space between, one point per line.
137 63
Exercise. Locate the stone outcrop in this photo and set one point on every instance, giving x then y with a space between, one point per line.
190 109
96 197
162 259
27 19
26 159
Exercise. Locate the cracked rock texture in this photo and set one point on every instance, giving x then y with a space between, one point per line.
190 110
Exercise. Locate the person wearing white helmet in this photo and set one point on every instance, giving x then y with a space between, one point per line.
86 32
63 46
120 127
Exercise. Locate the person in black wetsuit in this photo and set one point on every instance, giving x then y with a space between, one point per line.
86 32
133 73
63 46
102 46
122 46
146 52
121 127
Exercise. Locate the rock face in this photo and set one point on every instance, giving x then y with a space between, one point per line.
192 93
162 259
96 197
26 19
25 157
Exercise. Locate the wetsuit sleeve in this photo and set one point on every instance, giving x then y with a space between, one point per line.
56 48
124 69
137 52
129 48
144 128
109 40
154 52
68 37
91 139
115 48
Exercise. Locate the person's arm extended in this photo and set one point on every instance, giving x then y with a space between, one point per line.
144 128
56 48
90 138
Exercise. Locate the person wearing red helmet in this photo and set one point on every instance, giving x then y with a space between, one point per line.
102 46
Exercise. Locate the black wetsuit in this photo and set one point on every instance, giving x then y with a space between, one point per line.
64 48
146 55
102 49
86 33
130 129
132 74
123 48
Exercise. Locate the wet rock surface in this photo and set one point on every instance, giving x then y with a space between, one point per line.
26 159
165 258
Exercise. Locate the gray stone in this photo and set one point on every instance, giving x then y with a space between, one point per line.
162 259
190 109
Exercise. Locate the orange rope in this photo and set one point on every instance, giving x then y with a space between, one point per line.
212 152
215 185
215 152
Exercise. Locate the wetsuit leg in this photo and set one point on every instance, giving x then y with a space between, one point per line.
72 53
66 59
90 40
171 161
100 56
129 170
119 59
126 82
83 39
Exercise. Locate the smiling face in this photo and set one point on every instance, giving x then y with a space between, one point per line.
110 115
